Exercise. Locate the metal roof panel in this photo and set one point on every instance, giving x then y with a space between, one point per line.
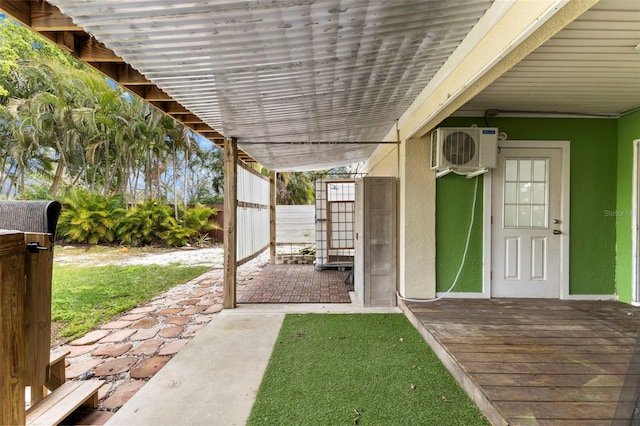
286 71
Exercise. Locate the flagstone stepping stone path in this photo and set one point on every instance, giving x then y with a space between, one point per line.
129 350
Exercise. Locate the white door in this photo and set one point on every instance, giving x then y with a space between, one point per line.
527 223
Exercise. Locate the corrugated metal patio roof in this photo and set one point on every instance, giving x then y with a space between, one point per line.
303 71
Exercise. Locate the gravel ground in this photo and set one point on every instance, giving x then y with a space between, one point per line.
212 257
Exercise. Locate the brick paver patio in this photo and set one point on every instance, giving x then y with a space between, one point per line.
294 284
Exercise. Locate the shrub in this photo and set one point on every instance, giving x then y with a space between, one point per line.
89 218
176 235
139 225
197 218
95 219
36 192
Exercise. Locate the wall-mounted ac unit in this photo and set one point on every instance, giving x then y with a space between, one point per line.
464 148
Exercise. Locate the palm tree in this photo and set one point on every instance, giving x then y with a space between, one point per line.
184 146
21 154
294 188
101 121
42 122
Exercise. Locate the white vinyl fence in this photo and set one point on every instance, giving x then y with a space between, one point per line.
253 214
296 224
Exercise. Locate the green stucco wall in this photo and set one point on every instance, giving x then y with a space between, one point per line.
454 197
593 195
628 131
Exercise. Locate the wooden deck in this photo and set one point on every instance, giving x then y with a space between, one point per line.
539 362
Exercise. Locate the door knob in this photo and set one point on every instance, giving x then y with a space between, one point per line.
556 221
557 232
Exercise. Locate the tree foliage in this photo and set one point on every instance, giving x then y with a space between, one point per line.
18 44
294 188
298 187
64 125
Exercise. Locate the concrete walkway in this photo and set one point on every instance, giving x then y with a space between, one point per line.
214 379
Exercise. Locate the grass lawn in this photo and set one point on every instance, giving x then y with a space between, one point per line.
86 296
366 369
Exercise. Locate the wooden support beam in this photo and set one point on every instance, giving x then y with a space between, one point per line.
47 17
230 221
208 133
12 341
149 93
127 76
91 50
202 127
19 10
272 218
122 73
188 118
66 40
170 107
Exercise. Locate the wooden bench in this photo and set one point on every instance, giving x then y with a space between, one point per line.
65 396
63 401
56 375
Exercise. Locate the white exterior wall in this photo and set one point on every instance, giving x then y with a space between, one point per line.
409 162
295 224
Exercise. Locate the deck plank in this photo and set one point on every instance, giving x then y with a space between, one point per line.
561 410
544 357
533 361
547 368
552 393
529 348
564 380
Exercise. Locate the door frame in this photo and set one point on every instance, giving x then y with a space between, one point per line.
635 223
565 148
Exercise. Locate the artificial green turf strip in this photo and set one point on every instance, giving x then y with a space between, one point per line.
366 369
86 296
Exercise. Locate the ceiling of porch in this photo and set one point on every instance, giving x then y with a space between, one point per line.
590 67
310 84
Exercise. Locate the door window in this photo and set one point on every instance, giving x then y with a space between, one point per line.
526 193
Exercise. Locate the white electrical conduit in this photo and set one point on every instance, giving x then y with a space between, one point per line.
464 255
